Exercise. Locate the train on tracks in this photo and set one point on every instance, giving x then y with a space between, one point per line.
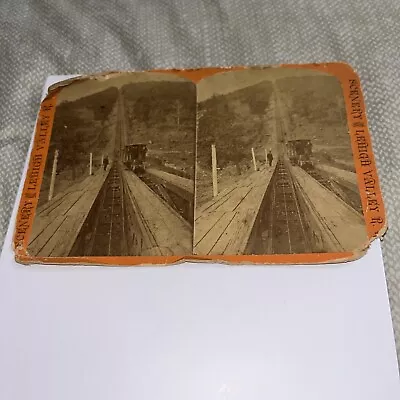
134 157
300 153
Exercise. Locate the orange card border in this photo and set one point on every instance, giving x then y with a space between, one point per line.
368 182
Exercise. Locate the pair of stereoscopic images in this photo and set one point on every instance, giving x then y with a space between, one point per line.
254 161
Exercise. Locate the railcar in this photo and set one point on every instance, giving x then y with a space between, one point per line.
135 157
300 153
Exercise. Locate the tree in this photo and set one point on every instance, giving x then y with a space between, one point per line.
225 131
234 150
71 148
142 109
258 105
178 114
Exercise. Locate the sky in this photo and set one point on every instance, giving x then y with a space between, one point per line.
88 87
227 82
220 83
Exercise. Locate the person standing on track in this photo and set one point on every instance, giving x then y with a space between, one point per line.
270 157
105 163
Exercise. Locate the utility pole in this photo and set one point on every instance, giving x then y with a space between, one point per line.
178 114
91 164
53 175
214 170
254 159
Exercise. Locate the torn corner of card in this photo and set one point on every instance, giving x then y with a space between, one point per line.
238 165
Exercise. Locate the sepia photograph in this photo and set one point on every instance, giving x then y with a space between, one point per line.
119 175
274 165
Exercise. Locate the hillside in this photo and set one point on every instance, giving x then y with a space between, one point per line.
235 122
162 112
312 100
312 106
316 111
164 115
78 128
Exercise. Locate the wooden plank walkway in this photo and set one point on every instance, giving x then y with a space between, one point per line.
182 186
339 220
223 225
57 223
163 231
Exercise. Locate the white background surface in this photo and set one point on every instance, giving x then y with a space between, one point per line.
196 332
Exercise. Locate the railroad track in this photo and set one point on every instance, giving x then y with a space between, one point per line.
107 236
178 202
159 189
287 225
107 233
281 226
114 227
343 192
103 233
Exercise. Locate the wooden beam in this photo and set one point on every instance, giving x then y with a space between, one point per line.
254 159
214 170
91 164
53 175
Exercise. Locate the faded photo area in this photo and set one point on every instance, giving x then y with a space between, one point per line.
274 166
119 176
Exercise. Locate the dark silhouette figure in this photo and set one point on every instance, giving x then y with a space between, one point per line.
105 163
270 158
